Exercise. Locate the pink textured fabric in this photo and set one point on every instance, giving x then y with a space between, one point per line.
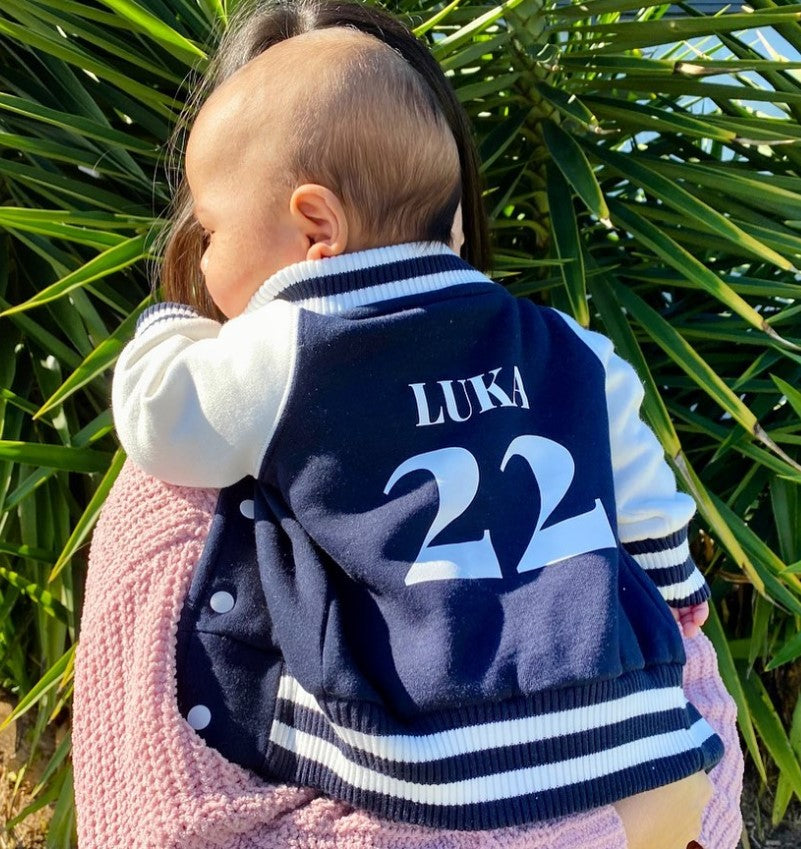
145 780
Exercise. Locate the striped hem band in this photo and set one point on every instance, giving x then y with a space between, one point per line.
508 769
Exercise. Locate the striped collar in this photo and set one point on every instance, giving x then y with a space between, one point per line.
341 283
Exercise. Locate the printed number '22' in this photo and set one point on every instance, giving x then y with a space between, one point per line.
455 471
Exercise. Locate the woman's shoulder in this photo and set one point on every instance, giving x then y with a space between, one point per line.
141 516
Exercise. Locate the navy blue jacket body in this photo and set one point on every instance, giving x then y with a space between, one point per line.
420 603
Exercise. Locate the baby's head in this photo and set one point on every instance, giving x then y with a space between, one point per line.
326 143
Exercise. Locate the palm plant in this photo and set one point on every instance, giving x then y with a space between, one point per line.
642 173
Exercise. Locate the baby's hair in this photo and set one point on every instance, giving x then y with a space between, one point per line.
371 131
255 28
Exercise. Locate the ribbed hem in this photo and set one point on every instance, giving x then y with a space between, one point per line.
496 764
166 312
520 809
670 566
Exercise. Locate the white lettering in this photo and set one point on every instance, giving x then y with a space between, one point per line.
450 400
456 474
519 389
489 395
483 392
423 413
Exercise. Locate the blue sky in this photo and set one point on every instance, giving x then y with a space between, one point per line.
765 40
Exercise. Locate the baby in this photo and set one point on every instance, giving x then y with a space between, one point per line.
466 536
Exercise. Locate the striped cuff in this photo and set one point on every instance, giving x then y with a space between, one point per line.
159 313
668 563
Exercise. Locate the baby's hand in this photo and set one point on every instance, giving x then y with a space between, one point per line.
690 619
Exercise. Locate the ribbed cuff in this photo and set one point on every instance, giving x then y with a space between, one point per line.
163 312
669 565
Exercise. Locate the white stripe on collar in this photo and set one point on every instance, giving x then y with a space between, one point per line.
360 261
333 304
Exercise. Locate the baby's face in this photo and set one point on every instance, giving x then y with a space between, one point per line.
250 233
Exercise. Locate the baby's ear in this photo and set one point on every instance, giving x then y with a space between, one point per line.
320 216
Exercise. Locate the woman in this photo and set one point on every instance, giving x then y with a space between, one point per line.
143 778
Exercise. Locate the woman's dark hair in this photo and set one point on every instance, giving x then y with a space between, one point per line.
254 28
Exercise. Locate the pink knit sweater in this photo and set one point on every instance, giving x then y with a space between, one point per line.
144 779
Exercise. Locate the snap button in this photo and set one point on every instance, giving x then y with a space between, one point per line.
246 508
222 602
199 717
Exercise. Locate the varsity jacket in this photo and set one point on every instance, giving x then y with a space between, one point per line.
465 541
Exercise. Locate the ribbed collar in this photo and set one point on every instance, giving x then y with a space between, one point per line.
337 284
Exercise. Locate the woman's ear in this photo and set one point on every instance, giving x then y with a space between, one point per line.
320 216
457 230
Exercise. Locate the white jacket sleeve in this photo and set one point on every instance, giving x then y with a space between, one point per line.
195 402
652 515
